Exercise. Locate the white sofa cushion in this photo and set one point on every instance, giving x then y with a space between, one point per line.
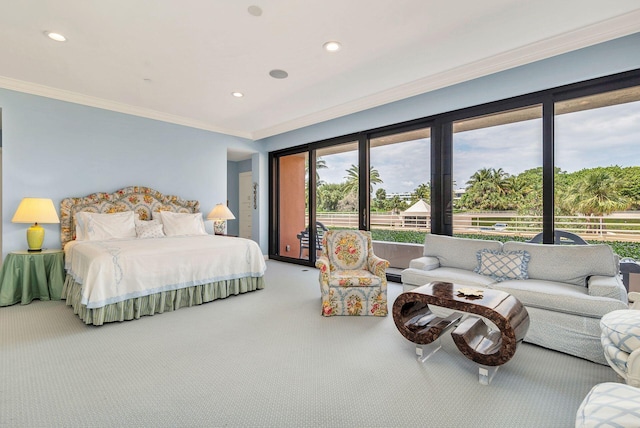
559 297
572 264
425 263
417 277
457 252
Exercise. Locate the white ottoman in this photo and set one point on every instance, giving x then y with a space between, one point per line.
621 343
610 404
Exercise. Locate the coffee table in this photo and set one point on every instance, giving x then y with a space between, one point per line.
490 348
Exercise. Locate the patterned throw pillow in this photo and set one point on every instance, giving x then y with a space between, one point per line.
503 265
149 229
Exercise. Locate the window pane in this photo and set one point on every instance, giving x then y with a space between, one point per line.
400 195
292 204
337 187
497 173
597 180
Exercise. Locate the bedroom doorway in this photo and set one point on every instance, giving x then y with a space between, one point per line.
245 198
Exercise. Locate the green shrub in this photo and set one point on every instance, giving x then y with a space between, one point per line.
621 248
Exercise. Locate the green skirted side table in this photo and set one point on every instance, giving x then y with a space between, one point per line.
31 275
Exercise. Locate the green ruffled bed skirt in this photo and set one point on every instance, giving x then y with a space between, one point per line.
156 303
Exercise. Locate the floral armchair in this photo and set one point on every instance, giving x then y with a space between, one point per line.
352 279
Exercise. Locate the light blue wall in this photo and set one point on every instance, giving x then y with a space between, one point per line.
612 57
55 149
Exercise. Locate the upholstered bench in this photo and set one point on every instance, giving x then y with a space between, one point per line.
621 342
610 404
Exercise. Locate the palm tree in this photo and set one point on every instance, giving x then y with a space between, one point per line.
353 174
597 194
423 191
487 189
320 164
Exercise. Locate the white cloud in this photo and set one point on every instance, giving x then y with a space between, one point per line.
600 137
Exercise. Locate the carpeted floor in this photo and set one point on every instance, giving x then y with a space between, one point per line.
267 359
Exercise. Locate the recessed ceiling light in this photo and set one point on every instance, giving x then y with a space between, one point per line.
254 10
55 36
332 46
278 74
237 94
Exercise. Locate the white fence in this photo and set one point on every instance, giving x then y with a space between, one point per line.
619 226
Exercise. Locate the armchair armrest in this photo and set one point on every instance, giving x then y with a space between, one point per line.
425 263
377 265
322 263
634 300
633 368
607 286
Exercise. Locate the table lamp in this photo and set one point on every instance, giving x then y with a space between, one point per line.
35 210
220 214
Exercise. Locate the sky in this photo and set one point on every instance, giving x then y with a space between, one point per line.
599 137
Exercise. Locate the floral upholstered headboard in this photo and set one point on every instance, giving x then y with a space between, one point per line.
142 200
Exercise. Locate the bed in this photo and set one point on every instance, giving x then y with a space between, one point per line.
114 274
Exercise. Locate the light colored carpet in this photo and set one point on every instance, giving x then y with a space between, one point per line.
267 359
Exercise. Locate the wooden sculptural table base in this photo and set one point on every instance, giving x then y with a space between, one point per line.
487 347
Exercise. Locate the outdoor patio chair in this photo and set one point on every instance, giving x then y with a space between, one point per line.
304 238
561 237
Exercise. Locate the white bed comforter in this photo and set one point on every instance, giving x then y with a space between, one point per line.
117 270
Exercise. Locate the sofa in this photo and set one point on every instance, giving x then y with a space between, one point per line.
566 289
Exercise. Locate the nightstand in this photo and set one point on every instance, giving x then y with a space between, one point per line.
31 275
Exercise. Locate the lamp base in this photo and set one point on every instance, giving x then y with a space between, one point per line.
220 227
35 237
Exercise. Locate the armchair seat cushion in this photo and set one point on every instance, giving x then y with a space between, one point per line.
622 329
354 278
610 404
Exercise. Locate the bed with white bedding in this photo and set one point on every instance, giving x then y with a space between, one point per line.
137 252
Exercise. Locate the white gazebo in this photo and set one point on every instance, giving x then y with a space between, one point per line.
417 215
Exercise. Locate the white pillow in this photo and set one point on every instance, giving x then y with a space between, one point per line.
149 229
180 224
101 227
80 222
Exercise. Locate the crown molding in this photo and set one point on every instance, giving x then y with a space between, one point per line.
600 32
87 100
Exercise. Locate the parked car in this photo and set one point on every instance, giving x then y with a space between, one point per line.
500 226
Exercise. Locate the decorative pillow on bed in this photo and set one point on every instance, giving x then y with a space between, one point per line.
80 223
149 229
503 265
101 227
180 224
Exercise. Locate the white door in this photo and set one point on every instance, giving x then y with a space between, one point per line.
246 205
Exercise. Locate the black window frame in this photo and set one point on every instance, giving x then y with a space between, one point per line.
442 155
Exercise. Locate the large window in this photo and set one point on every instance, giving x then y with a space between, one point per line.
497 174
597 157
400 193
562 159
337 186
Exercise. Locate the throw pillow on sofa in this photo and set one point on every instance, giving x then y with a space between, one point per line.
503 265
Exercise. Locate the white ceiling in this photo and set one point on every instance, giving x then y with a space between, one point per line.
179 61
